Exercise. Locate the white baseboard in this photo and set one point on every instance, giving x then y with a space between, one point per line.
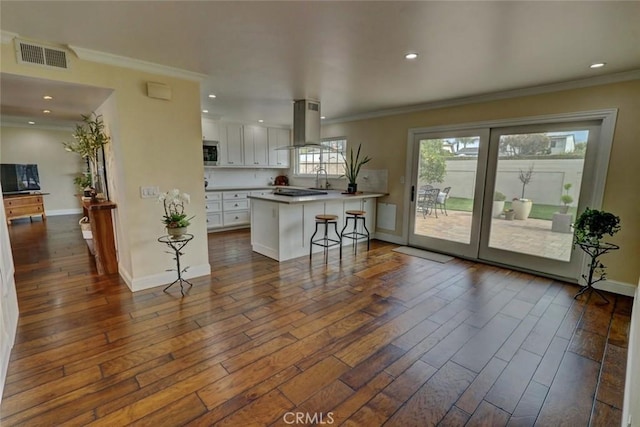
619 288
391 238
630 407
58 212
164 278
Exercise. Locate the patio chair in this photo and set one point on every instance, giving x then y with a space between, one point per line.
427 201
441 200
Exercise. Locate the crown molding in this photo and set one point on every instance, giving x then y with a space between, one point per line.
7 37
136 64
513 93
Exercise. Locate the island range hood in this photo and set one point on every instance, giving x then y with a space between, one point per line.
306 125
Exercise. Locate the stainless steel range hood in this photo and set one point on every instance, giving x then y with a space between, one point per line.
306 125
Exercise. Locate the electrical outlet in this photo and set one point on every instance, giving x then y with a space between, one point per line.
149 192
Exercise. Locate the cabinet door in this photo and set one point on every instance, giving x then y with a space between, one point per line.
231 140
255 146
279 138
210 131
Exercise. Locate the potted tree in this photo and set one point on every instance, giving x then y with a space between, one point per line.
352 167
90 137
498 204
522 206
589 231
566 199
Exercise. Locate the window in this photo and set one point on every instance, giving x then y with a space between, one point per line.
309 160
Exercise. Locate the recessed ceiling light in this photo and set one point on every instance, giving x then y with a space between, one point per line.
31 123
205 111
411 55
46 111
211 95
598 65
47 97
322 117
260 121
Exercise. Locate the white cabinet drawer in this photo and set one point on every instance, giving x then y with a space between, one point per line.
232 195
214 220
212 196
213 206
234 218
236 205
261 192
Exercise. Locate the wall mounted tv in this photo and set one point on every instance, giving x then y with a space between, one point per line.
19 178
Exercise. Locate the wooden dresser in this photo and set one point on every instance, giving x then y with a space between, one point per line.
24 205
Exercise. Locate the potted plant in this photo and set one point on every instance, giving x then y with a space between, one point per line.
523 206
90 137
352 167
174 218
589 231
592 225
566 199
498 204
509 214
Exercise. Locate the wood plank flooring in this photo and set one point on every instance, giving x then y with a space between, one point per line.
380 338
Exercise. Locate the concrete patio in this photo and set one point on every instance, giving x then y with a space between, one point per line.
530 236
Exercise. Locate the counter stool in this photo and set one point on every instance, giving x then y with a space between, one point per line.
325 241
355 234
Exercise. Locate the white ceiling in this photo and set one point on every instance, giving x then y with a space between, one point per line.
259 56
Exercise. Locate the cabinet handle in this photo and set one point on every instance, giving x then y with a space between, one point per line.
236 205
237 217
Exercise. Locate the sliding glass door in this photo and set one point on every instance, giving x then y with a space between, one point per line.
508 194
446 197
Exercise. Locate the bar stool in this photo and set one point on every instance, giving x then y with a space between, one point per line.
355 234
325 241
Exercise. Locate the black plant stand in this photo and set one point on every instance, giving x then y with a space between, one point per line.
176 244
595 251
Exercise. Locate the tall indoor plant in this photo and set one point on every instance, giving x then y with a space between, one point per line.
352 167
89 138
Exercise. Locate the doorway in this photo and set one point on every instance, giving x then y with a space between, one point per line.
507 192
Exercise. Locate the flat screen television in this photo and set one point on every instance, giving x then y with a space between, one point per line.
19 178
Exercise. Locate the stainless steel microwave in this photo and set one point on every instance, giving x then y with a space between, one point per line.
210 153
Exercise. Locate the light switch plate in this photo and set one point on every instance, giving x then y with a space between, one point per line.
149 192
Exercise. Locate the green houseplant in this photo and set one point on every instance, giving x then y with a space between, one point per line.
89 138
589 231
174 218
352 167
592 225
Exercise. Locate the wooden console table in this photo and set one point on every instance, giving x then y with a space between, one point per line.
99 214
24 205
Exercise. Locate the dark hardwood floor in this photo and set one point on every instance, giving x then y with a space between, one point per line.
379 338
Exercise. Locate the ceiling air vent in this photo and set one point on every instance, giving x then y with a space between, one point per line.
48 56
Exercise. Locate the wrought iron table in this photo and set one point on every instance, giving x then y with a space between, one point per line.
595 251
177 244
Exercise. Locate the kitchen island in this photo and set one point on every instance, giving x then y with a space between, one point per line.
282 225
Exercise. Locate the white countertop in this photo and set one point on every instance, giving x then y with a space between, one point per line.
331 195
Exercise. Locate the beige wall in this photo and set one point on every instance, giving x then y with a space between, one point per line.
385 140
155 143
56 167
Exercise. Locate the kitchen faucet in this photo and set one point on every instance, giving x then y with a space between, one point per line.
326 178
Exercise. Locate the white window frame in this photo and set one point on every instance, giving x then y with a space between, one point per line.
331 160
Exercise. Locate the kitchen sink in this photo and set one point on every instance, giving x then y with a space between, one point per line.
298 192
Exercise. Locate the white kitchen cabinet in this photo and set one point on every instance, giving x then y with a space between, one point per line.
278 138
231 144
213 207
210 130
235 208
256 150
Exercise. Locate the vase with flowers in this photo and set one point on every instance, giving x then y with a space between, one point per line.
174 218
